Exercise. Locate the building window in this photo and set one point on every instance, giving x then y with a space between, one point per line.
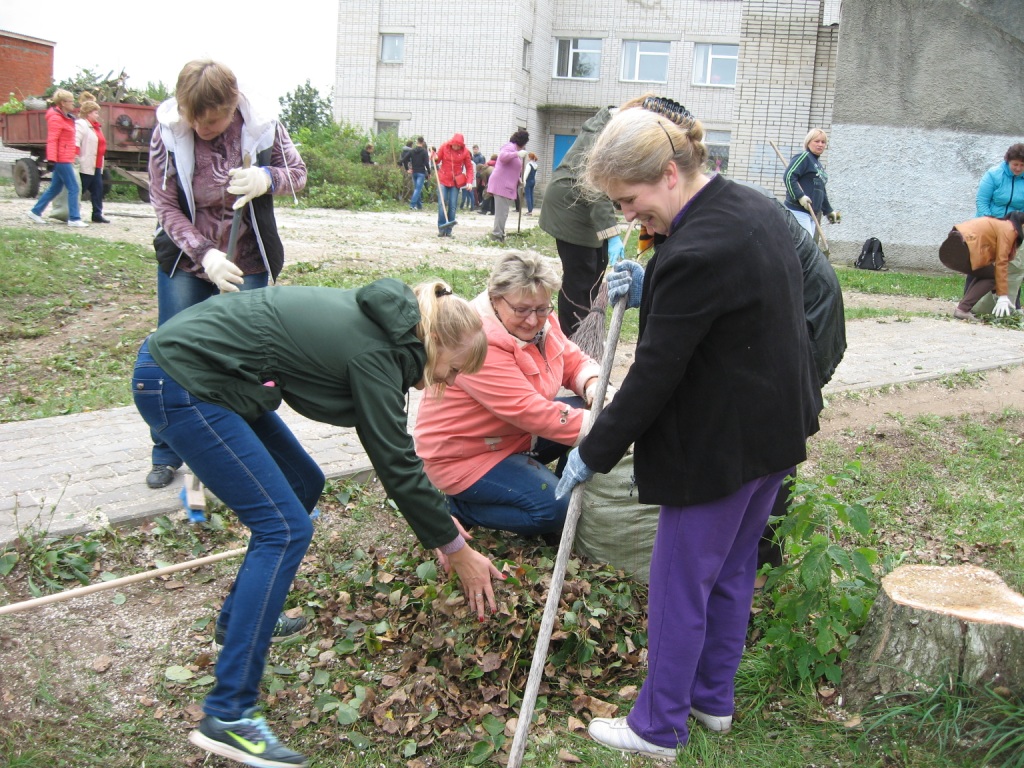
717 143
578 59
644 61
387 126
715 64
527 54
392 48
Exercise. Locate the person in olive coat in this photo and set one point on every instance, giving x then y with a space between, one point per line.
209 381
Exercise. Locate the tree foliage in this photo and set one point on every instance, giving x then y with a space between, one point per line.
305 108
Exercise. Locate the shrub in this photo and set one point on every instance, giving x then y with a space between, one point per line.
336 176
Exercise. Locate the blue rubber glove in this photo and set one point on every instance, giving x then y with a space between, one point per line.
575 472
616 250
627 278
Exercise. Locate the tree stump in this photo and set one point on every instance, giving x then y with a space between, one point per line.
932 622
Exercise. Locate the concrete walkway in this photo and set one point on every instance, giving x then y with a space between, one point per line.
74 473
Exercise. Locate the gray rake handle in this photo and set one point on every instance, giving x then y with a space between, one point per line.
572 517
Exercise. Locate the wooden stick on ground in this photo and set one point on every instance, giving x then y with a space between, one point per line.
572 517
817 224
71 594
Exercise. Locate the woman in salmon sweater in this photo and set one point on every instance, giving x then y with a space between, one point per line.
61 150
487 443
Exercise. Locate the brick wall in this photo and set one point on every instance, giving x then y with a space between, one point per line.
26 65
785 85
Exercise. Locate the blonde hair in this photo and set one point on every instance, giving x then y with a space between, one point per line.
637 145
522 273
448 322
815 133
61 95
87 107
205 86
85 96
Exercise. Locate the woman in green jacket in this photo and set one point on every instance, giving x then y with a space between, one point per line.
209 381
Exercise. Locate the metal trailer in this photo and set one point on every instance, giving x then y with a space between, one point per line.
126 127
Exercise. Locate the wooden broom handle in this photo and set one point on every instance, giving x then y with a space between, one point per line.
71 594
572 517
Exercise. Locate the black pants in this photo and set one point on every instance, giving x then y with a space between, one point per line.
768 550
582 272
93 184
954 254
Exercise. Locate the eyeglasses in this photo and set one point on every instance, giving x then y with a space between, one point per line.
524 312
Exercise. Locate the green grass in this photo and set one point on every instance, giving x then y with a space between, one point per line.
927 286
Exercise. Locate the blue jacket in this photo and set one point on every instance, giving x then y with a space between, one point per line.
1000 192
806 176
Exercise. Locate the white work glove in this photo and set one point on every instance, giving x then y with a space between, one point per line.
248 183
835 217
616 250
222 273
522 154
805 202
591 392
1003 307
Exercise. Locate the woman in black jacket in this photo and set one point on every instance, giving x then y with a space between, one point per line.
719 402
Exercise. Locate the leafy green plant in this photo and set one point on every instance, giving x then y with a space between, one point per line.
12 106
825 586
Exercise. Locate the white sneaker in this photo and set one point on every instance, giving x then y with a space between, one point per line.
615 732
36 217
77 223
712 722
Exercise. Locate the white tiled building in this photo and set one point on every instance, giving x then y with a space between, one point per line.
751 70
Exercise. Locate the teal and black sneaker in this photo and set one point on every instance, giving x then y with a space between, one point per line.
249 741
283 629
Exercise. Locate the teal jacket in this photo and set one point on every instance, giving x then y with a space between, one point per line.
1000 192
344 357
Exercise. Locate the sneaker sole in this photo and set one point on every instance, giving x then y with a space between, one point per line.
203 741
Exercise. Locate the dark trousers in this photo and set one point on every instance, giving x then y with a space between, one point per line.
582 272
954 254
92 184
769 551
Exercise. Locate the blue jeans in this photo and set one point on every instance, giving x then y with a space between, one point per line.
63 176
517 495
417 191
174 294
259 470
528 197
467 199
450 198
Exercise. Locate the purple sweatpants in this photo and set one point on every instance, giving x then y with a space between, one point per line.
701 585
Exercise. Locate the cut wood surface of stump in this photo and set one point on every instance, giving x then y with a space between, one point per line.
932 622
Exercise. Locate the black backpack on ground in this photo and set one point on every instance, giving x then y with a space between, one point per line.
871 256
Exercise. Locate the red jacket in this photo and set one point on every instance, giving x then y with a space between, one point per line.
455 166
60 137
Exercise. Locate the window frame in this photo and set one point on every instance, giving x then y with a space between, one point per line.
710 58
384 37
638 55
527 54
571 59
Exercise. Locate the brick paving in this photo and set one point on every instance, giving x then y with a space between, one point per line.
81 472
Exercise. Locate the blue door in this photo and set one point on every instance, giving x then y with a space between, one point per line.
562 144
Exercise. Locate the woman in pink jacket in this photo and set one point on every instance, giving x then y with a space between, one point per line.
486 444
504 181
61 150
